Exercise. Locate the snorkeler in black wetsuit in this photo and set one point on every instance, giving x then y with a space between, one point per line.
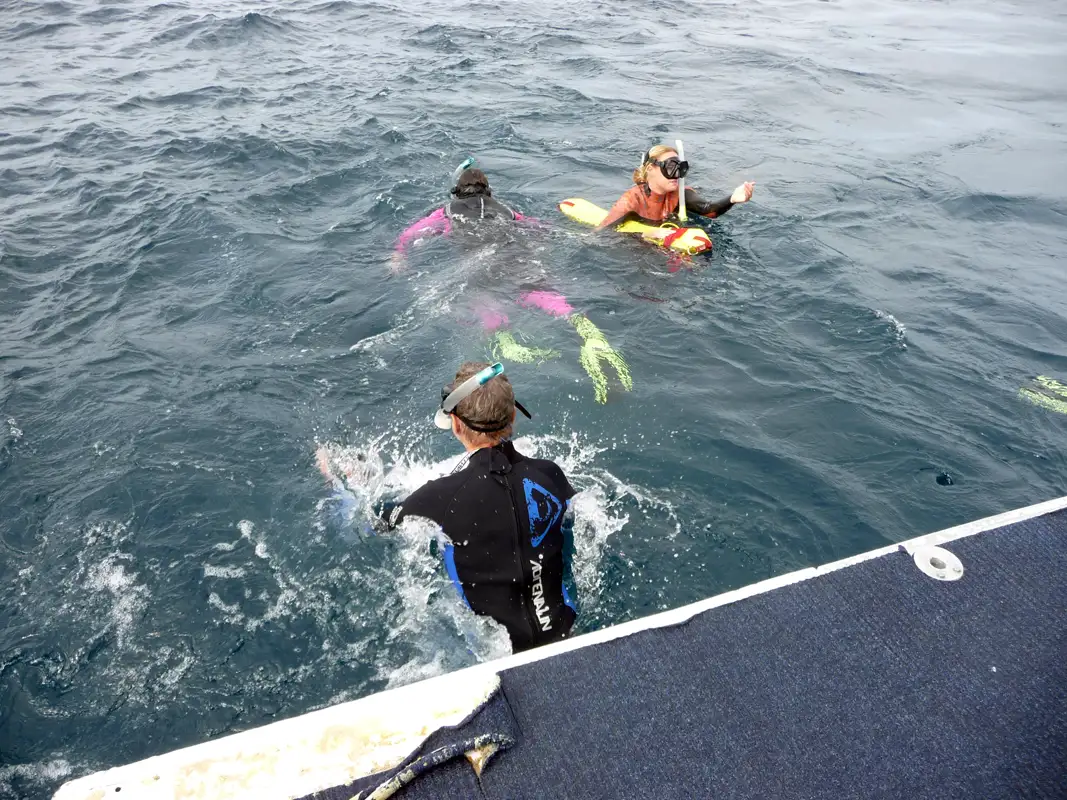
472 201
505 516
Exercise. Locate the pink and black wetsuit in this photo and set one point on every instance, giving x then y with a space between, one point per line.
461 210
473 203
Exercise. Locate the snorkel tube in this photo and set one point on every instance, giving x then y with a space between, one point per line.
443 418
681 182
467 163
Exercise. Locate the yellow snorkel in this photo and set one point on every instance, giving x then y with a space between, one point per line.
681 182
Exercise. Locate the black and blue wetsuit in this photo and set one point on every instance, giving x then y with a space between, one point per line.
507 520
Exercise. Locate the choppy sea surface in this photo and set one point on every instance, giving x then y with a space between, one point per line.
197 205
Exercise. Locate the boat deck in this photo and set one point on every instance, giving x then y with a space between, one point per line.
890 674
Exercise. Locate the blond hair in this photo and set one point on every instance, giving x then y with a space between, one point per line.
654 154
488 405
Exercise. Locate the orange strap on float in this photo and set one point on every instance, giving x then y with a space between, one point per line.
672 237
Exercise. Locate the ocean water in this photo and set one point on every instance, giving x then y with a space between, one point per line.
197 205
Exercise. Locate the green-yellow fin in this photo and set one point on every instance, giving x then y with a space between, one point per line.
506 348
595 348
1052 385
1043 398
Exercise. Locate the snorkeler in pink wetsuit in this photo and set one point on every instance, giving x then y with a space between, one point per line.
472 203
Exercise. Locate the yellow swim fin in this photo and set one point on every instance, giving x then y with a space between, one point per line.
505 348
1048 393
1052 385
595 348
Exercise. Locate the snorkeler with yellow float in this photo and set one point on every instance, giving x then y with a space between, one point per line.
473 207
657 206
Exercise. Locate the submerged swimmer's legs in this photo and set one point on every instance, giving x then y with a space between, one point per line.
504 345
554 304
492 319
595 347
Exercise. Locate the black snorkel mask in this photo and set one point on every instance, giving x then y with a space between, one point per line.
672 168
452 396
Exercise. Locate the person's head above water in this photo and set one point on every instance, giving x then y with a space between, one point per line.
471 183
482 412
660 169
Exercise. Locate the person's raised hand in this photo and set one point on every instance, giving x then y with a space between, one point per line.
743 193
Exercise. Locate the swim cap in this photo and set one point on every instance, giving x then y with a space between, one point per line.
472 182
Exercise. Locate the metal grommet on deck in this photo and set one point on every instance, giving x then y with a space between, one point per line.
938 563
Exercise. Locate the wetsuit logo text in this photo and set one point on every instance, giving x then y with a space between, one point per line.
538 593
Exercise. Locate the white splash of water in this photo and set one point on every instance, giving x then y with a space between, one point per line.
594 524
284 604
231 613
369 342
899 331
103 610
248 531
14 432
171 676
601 507
439 632
127 599
39 774
211 571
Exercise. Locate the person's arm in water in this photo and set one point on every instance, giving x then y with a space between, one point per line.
697 205
530 222
433 224
425 502
716 208
623 211
382 518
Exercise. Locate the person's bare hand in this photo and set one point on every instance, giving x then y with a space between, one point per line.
322 461
743 193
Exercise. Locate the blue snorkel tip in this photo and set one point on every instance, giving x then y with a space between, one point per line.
489 373
467 163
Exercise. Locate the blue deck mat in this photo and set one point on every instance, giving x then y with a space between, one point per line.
871 681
